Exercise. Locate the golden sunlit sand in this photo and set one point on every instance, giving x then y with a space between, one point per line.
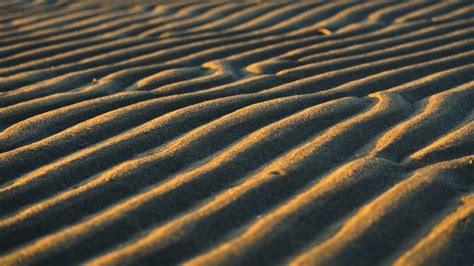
236 133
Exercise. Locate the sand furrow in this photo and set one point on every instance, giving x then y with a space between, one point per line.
204 51
236 132
378 219
442 112
436 9
458 143
164 127
416 30
104 43
326 201
345 87
67 36
297 164
453 234
286 25
55 70
46 124
232 160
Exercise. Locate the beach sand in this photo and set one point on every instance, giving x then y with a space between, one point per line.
236 133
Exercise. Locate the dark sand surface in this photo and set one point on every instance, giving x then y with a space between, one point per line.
236 133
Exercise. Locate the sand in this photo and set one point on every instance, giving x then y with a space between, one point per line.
236 133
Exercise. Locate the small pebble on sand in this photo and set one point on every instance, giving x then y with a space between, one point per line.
324 31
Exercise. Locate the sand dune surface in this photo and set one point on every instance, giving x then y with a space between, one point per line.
236 132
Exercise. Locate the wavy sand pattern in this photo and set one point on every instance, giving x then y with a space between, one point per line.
251 133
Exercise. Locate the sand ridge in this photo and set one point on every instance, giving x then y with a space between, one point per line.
223 132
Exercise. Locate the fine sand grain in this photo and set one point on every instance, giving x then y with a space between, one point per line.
236 132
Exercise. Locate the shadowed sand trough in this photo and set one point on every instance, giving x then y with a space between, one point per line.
250 133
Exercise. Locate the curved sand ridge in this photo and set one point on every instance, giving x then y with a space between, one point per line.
253 133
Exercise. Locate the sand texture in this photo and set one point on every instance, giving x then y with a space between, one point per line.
236 133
